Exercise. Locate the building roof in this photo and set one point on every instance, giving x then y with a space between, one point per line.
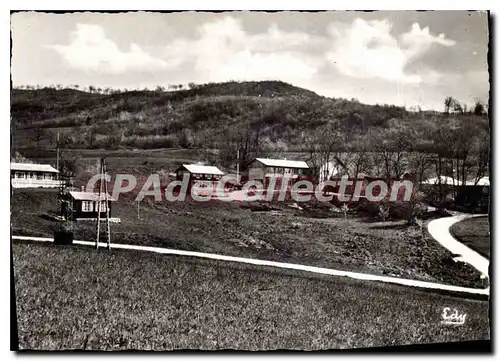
484 181
444 180
202 169
89 196
283 163
30 167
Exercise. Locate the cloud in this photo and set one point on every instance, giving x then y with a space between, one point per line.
90 49
419 40
223 50
368 49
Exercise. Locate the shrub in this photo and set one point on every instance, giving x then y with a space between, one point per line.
151 141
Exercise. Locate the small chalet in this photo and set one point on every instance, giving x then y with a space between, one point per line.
199 172
262 169
475 193
85 206
27 175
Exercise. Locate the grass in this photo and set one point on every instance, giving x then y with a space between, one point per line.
287 235
79 298
474 233
126 161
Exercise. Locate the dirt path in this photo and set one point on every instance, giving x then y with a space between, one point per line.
440 231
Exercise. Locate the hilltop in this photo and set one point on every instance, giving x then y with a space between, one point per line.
46 103
200 116
270 118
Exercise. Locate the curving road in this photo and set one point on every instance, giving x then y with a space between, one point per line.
318 270
440 231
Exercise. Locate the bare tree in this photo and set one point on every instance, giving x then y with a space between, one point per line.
360 160
324 144
90 136
38 134
478 108
448 103
392 146
442 142
68 162
482 155
457 107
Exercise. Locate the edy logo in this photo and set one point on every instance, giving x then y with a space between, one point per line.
452 317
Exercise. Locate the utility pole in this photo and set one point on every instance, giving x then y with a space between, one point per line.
106 202
103 189
66 211
238 165
99 208
57 151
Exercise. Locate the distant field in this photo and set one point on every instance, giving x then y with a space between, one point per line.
133 161
474 233
79 298
287 235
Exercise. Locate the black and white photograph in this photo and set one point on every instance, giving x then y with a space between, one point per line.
250 180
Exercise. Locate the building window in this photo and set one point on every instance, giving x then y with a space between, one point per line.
39 176
87 206
103 206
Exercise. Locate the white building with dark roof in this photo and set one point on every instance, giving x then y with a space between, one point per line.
263 169
201 172
28 175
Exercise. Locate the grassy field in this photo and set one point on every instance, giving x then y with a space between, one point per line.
285 234
79 298
475 233
130 161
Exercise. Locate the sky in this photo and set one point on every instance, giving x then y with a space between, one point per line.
387 57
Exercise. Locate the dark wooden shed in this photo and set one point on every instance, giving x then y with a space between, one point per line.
85 205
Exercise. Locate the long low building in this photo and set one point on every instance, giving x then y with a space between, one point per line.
262 169
199 172
28 175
